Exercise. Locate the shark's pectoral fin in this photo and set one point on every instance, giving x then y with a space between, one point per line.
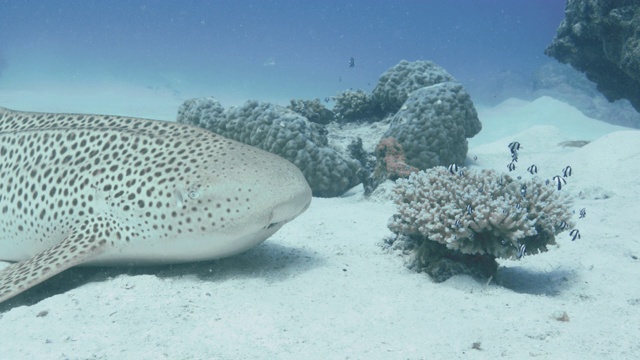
82 244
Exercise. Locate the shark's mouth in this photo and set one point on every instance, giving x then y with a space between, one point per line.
288 211
272 225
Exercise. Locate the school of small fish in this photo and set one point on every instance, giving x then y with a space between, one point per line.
558 180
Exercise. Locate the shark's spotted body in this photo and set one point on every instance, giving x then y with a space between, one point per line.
96 189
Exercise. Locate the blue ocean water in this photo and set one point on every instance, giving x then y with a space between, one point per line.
278 49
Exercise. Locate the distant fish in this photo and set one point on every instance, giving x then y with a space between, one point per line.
461 173
547 182
522 251
514 147
566 172
352 62
269 62
514 157
559 181
453 168
475 158
523 190
563 225
511 166
327 99
458 223
500 181
583 213
469 210
518 206
575 234
532 169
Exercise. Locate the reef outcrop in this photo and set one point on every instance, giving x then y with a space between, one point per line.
602 39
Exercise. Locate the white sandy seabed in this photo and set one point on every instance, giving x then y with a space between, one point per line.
324 288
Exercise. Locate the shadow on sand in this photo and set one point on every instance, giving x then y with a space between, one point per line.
523 280
271 261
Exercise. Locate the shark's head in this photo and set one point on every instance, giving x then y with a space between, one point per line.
235 206
225 200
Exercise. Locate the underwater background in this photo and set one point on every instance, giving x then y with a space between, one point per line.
272 50
334 283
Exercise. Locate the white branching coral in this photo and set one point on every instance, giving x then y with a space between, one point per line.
480 212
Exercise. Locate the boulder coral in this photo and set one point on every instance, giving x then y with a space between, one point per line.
433 125
397 83
280 131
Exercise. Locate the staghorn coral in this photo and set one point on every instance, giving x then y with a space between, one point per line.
506 214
